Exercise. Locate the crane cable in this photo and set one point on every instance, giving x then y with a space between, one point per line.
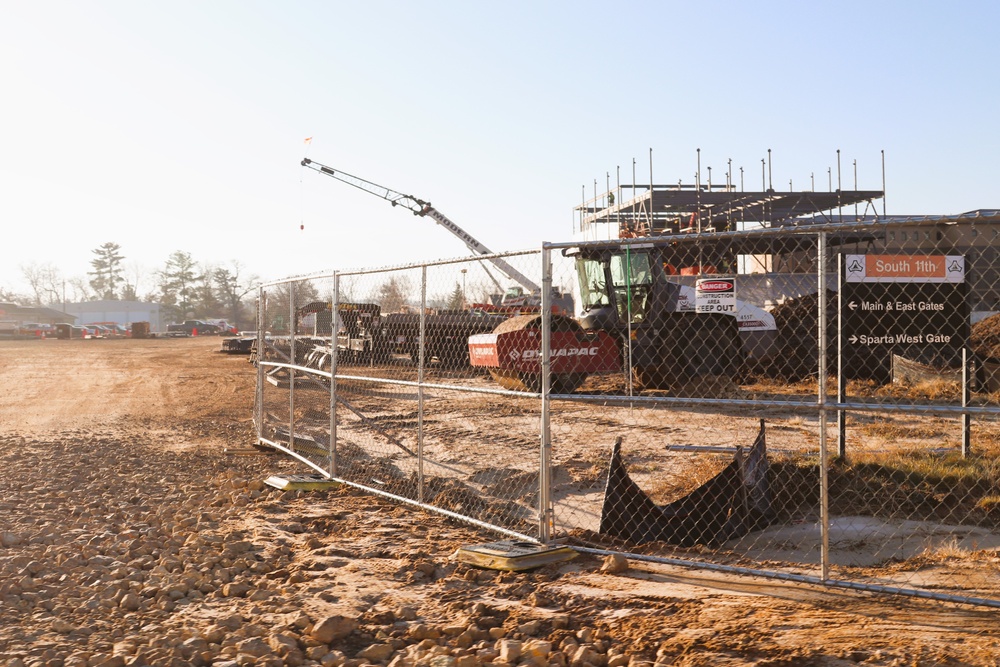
302 206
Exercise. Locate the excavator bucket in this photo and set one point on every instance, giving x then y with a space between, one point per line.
734 502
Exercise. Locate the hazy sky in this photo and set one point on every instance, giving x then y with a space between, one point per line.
180 125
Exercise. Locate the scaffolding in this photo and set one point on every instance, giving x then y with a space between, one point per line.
656 210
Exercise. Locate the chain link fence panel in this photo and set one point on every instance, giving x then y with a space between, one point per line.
827 419
816 404
383 394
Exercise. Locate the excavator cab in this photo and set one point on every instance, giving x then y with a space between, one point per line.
622 288
632 282
626 292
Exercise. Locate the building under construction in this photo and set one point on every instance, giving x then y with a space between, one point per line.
704 211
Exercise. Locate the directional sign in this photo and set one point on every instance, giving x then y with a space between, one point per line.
715 295
911 305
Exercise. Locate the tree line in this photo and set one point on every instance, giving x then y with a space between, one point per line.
187 289
184 287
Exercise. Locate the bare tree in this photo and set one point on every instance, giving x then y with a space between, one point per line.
230 288
44 281
392 295
133 275
279 305
348 286
80 289
9 296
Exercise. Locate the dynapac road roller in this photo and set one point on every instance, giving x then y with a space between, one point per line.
512 353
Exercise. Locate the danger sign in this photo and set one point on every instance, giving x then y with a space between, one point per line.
715 295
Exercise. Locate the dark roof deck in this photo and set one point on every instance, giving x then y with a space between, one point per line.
676 209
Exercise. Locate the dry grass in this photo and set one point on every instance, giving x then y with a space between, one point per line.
936 390
892 430
948 469
697 471
946 551
990 505
930 390
914 485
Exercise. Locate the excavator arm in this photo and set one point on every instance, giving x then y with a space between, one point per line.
424 209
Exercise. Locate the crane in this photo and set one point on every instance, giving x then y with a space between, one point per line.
423 208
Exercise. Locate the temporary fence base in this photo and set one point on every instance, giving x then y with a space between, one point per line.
301 482
795 578
513 556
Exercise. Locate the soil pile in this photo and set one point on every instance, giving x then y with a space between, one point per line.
797 322
985 338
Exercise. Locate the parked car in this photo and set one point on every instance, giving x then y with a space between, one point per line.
36 329
109 329
225 328
193 328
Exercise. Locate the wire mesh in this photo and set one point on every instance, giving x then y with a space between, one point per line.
749 400
847 433
385 353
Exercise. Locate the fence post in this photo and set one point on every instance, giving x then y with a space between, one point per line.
841 384
421 356
334 318
544 472
824 486
259 393
291 369
967 377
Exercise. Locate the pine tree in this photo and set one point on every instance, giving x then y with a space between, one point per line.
230 288
178 280
107 273
457 299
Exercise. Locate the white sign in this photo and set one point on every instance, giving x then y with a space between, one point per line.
716 295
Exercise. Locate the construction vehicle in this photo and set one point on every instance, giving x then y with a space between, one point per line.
631 316
626 291
525 295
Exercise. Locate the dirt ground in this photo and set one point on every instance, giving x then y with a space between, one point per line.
135 529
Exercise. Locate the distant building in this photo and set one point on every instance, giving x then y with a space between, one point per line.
121 312
11 312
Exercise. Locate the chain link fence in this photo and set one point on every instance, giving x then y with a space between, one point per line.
382 394
817 404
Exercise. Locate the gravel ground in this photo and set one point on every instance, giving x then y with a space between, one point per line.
135 529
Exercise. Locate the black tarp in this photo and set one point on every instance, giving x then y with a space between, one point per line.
731 504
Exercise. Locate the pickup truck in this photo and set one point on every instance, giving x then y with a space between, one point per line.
193 328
